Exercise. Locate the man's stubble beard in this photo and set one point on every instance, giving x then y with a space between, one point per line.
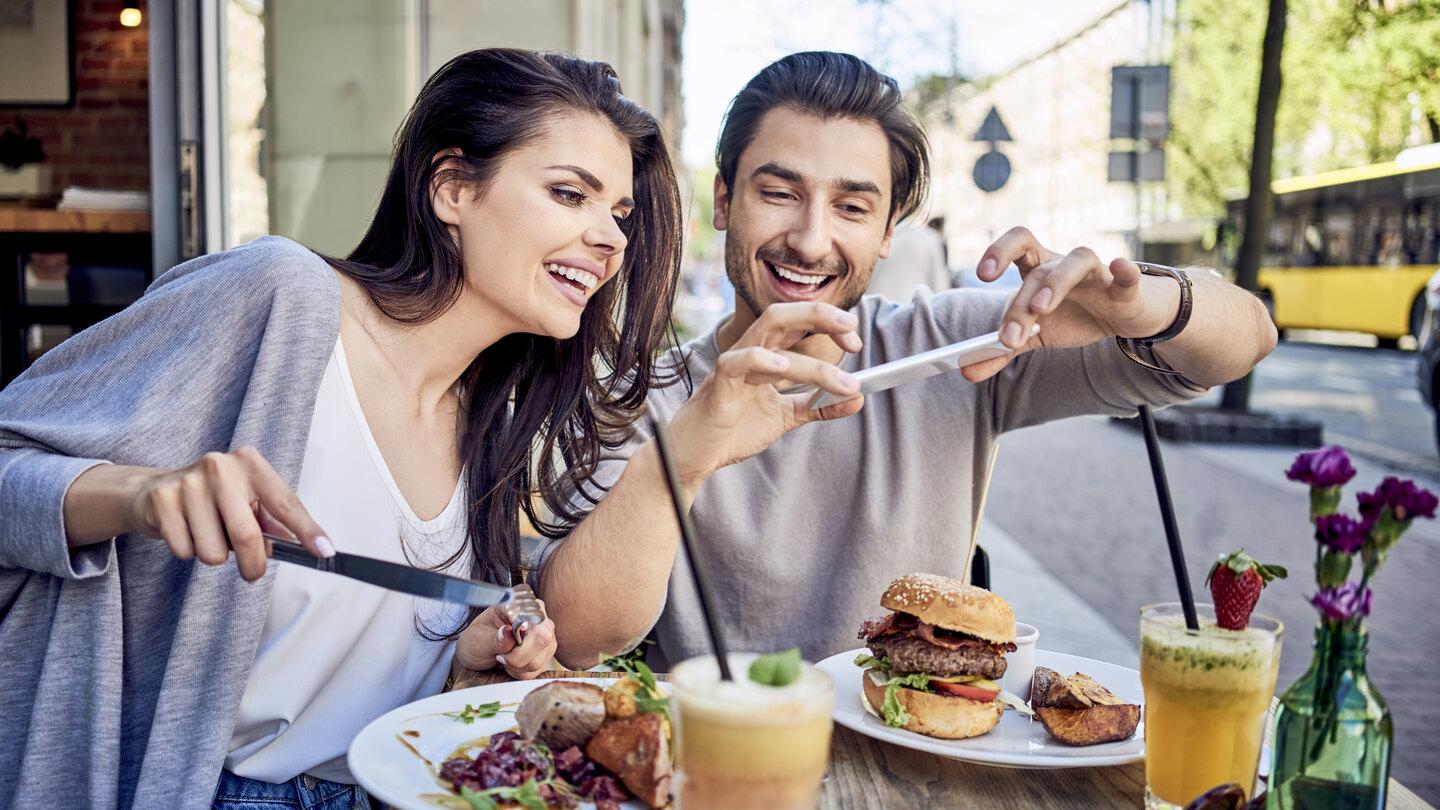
737 269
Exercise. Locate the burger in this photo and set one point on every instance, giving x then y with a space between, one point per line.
936 660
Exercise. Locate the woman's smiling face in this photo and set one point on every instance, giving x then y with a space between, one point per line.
550 229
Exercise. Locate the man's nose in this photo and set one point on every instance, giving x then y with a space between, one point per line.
810 236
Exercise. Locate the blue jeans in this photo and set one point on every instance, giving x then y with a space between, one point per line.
304 792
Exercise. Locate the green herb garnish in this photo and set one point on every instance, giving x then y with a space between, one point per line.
648 698
472 713
527 796
776 669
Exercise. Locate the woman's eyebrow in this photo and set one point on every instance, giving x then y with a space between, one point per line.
593 182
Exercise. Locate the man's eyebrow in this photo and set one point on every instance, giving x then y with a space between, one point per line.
593 182
788 174
776 170
857 186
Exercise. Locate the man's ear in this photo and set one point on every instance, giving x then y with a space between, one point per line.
720 219
445 197
889 236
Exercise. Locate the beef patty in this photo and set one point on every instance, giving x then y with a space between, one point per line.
908 654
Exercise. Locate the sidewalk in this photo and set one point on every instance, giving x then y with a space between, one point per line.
1088 516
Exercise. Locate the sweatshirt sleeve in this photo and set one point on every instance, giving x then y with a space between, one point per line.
149 386
33 484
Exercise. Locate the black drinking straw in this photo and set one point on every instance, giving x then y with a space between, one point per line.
687 536
1167 515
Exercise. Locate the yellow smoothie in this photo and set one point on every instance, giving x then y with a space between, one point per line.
743 744
1207 694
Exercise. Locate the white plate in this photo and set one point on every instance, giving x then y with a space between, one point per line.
1017 742
387 761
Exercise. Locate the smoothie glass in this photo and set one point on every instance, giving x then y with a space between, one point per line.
1207 697
744 744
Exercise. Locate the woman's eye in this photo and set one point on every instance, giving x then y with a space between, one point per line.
568 195
624 223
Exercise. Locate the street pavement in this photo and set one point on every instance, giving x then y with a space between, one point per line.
1366 399
1076 497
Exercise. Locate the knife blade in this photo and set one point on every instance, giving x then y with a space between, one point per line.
394 576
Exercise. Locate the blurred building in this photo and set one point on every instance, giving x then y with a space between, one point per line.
1056 106
314 90
146 136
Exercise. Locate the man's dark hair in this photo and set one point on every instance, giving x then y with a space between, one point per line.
831 85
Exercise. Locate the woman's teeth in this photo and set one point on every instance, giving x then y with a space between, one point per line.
798 278
587 280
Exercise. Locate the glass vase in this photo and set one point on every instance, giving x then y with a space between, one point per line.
1332 729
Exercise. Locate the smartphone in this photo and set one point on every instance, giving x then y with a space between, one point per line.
919 366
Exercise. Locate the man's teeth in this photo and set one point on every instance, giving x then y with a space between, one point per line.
798 278
588 280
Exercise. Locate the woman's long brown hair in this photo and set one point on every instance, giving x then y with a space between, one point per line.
537 411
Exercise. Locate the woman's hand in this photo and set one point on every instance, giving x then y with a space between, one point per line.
220 504
738 411
490 640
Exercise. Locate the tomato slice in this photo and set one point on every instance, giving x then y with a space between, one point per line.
965 690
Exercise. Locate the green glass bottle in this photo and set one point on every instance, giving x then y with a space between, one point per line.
1332 730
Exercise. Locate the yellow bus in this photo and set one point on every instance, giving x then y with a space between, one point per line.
1351 249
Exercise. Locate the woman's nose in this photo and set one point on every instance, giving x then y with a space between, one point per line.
607 237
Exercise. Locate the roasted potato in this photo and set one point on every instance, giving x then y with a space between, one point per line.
1092 726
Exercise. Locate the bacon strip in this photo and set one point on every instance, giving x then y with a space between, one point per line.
951 640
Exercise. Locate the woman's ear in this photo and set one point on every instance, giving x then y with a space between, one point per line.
446 194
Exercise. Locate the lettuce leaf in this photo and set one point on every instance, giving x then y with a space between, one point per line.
895 714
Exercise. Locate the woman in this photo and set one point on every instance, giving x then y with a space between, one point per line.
399 392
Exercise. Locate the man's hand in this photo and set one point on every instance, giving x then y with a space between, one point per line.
738 411
1076 298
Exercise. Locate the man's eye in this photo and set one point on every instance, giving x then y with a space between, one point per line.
777 195
568 195
853 209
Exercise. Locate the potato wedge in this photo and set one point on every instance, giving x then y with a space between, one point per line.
1052 690
1092 726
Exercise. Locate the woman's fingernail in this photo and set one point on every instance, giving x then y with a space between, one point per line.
987 264
1012 333
1042 299
324 546
525 627
849 380
500 659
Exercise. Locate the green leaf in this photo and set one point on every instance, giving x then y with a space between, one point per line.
528 796
472 713
776 669
866 660
478 801
895 714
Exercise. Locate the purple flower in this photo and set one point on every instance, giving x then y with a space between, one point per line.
1323 468
1341 533
1342 603
1406 501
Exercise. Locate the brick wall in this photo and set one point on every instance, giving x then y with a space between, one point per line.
103 141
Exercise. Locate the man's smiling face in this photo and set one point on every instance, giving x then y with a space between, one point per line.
809 213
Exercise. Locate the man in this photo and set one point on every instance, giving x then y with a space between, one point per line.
916 259
817 162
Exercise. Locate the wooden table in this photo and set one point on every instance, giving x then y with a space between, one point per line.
93 237
868 773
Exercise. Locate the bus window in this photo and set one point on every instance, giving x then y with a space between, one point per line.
1339 235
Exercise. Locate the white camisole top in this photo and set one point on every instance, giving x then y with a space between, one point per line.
336 653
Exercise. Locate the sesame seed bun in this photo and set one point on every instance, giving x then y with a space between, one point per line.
953 605
944 716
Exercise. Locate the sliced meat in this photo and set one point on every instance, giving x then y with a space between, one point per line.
637 750
561 714
951 640
909 653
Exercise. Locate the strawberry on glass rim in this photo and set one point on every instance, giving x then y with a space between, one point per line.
1236 581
